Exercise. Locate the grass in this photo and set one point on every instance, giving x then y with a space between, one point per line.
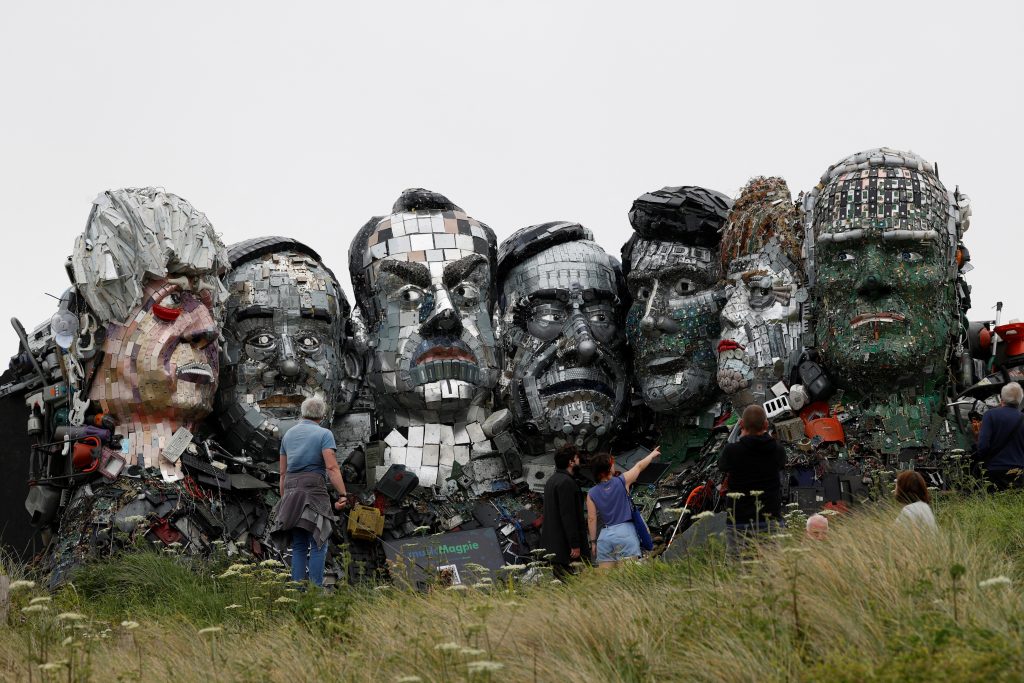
871 602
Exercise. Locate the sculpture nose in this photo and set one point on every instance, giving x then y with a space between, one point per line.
287 365
443 319
655 325
873 287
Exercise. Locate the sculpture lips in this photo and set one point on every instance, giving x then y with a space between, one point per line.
729 345
667 364
880 317
446 353
199 373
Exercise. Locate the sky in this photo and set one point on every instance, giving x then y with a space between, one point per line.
305 119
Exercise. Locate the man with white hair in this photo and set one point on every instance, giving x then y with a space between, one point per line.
304 512
1001 441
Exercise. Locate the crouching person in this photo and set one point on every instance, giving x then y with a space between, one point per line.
304 511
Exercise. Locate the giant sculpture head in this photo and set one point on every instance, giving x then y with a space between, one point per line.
147 266
761 321
884 264
284 333
672 266
423 279
561 335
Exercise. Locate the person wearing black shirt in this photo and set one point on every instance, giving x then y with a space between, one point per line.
753 464
564 532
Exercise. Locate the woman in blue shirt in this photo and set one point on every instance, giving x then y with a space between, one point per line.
608 503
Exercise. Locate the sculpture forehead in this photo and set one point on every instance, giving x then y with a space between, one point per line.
432 238
286 281
881 200
580 263
651 256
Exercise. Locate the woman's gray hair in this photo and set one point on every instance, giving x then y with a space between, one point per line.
314 408
1012 394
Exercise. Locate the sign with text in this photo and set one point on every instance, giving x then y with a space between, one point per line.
448 559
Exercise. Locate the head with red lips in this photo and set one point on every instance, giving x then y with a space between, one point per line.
147 267
424 283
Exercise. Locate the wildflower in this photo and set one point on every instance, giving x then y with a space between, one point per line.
67 641
782 537
535 563
511 603
550 556
956 456
40 599
233 606
21 583
421 530
209 630
755 494
795 550
408 679
457 587
447 647
53 666
746 577
537 552
174 544
271 563
735 495
829 513
238 567
283 600
677 511
995 581
476 568
481 586
556 582
792 505
703 515
382 588
226 574
34 608
135 519
129 625
471 652
483 666
70 616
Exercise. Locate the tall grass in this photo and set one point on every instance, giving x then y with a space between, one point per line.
871 602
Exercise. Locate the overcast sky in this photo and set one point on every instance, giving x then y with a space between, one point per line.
304 119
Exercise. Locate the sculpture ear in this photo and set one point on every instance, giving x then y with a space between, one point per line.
359 339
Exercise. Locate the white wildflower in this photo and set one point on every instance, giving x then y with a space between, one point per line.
233 606
735 495
21 583
34 608
209 630
283 600
421 530
408 679
447 647
471 652
703 515
457 587
67 641
756 493
40 599
53 666
228 573
129 625
829 512
271 563
70 616
995 581
483 666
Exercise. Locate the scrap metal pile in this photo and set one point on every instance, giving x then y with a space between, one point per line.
158 393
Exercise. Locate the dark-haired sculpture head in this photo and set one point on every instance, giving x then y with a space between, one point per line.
886 233
561 335
423 278
672 266
284 335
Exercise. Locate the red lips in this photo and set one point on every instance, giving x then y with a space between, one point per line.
729 345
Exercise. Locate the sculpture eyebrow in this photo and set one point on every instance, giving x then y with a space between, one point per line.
860 234
410 271
456 272
255 312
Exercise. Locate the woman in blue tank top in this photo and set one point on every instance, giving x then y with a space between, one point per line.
608 504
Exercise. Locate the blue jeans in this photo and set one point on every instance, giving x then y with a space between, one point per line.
304 551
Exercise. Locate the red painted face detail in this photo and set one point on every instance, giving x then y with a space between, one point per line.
729 345
169 308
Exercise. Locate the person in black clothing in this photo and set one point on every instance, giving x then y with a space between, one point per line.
1001 441
753 464
564 531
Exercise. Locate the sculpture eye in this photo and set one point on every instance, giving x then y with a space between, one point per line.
169 308
307 343
549 317
261 341
466 290
845 257
411 295
599 318
642 293
684 286
910 257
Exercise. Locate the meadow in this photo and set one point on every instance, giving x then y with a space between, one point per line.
870 602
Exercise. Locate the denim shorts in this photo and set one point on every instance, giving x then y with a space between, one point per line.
618 542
